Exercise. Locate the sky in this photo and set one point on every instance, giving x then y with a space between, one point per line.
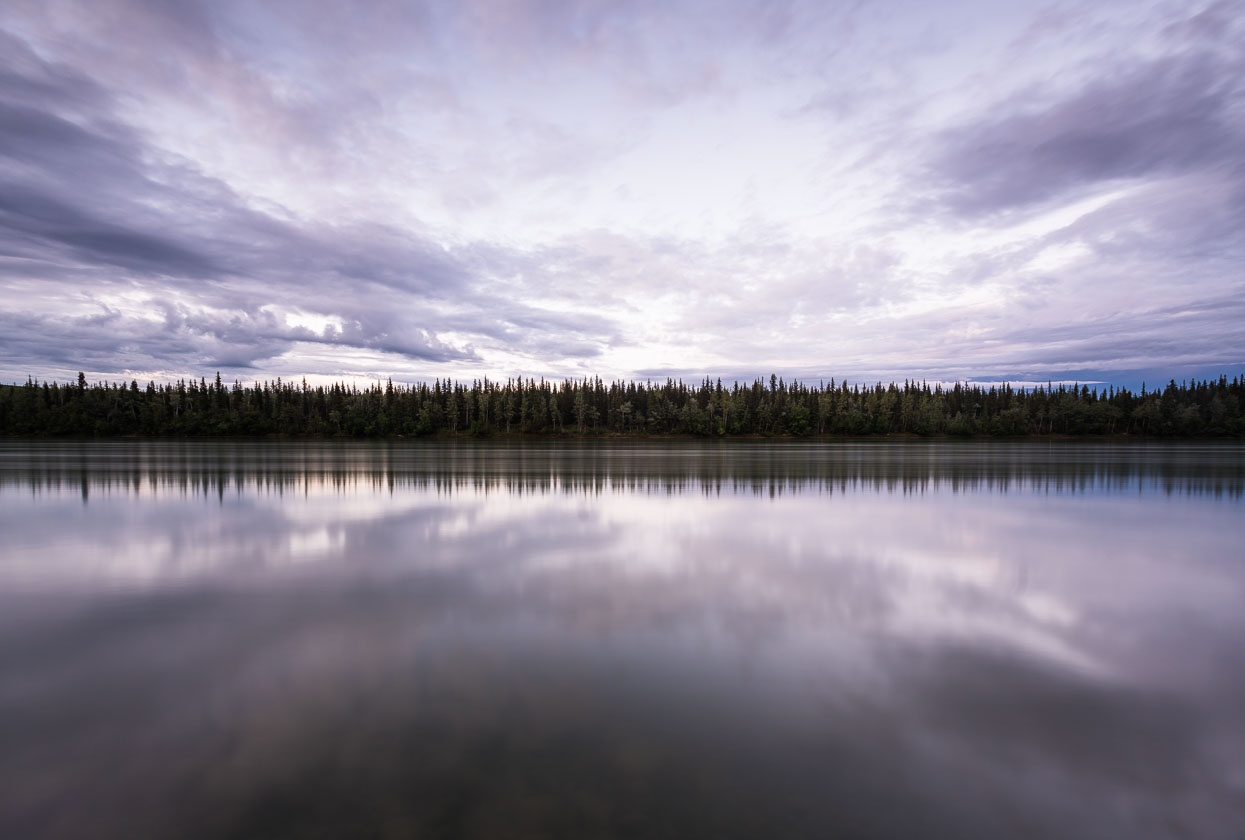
876 191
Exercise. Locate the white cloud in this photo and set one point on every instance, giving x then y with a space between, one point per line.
469 189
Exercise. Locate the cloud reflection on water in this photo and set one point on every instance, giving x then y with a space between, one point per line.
474 660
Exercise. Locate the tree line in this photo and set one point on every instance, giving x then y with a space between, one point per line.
591 407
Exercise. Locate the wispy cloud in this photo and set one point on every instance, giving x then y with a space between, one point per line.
537 188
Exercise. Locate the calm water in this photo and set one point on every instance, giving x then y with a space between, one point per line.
978 640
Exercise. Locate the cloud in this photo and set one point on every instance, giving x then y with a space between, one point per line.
468 189
1170 115
166 268
42 222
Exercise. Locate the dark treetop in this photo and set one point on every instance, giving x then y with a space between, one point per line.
589 406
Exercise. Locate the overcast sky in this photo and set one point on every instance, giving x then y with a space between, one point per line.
876 190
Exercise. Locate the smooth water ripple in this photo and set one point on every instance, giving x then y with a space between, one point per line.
436 639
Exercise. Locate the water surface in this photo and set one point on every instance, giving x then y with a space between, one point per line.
860 639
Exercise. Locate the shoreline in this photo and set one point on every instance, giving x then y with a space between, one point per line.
534 437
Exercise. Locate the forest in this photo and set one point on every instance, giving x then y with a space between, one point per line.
1209 408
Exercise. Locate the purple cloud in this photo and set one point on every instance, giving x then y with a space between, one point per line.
546 189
